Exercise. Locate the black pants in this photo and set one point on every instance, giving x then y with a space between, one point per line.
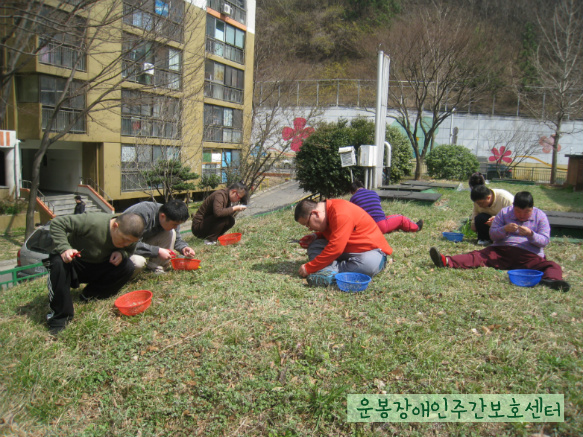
482 228
213 228
103 280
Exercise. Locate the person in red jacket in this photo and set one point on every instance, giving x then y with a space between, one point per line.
346 239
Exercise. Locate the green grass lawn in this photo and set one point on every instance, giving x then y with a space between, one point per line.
244 347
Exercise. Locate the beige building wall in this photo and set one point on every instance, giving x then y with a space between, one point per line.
100 146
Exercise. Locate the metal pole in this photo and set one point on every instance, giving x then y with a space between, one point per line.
298 95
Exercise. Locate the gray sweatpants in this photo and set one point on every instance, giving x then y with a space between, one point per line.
370 263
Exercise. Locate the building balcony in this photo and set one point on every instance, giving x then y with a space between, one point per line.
64 118
219 134
62 56
226 51
147 127
222 92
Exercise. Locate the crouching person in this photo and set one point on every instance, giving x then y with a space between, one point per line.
90 249
161 235
346 239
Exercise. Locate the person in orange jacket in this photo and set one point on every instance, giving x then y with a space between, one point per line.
345 239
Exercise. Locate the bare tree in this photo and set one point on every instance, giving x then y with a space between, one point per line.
439 63
558 63
95 29
20 22
274 108
510 148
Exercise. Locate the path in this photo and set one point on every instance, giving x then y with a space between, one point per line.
275 198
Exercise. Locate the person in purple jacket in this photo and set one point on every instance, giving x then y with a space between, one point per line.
370 201
519 232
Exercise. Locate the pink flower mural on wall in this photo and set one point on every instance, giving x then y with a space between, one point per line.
548 143
500 155
298 134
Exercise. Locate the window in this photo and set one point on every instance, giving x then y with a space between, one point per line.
223 125
223 82
150 115
163 17
61 39
225 40
220 162
137 158
149 63
48 90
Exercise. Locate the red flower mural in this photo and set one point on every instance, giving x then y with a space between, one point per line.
499 156
298 134
548 143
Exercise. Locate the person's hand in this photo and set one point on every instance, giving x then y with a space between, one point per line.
307 240
68 255
116 258
302 271
166 254
511 227
489 221
524 231
239 207
188 252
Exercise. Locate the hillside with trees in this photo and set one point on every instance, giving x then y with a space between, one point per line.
312 39
445 55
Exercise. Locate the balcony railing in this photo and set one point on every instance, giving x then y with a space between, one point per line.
62 56
64 118
133 180
147 127
222 92
224 50
219 134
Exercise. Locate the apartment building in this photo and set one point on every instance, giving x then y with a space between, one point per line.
147 80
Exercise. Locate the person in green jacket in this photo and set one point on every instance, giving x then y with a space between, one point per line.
92 249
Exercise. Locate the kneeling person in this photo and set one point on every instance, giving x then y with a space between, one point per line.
88 249
161 235
346 239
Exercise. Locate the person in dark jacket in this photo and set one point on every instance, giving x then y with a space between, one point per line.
80 205
216 214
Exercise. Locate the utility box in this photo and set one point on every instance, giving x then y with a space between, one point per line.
347 156
368 156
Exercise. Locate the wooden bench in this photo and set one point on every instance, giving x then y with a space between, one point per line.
431 184
567 224
403 187
408 195
565 219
